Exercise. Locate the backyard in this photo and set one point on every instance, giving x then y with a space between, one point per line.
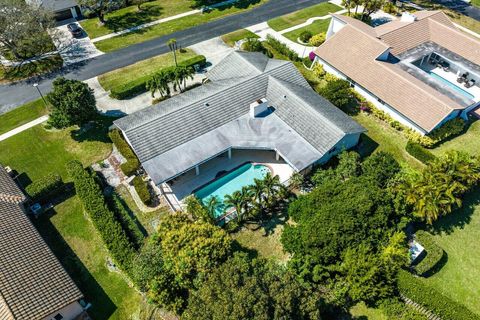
302 16
175 25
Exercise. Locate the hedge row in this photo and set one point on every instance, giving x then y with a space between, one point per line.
45 186
419 152
282 48
131 166
91 196
128 222
417 290
138 85
434 254
142 190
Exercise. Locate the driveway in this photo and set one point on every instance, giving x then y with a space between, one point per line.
73 50
214 50
13 95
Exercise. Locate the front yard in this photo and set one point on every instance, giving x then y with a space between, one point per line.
302 16
175 25
21 115
316 27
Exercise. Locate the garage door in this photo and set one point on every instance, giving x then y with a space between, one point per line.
63 15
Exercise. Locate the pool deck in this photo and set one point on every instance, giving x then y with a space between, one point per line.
185 184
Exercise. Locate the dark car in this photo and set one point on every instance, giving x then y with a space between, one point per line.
74 29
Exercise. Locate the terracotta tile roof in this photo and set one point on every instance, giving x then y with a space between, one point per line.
354 49
33 283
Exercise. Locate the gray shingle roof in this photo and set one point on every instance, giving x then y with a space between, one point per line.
165 135
33 284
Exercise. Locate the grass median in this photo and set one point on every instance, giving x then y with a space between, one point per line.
302 16
169 27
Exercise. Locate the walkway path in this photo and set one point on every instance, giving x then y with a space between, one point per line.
310 21
24 127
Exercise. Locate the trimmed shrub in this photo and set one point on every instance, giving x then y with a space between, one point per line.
45 186
419 152
426 266
253 45
305 36
448 129
128 222
318 39
417 290
282 48
307 62
131 166
142 190
114 237
138 85
339 93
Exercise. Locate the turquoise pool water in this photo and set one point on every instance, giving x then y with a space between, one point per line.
229 183
452 85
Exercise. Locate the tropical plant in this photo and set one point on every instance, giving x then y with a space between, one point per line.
160 82
212 204
296 180
181 75
317 39
271 188
235 200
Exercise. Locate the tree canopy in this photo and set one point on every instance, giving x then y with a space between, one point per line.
72 103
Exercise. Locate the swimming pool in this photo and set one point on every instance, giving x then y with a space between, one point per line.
229 183
452 85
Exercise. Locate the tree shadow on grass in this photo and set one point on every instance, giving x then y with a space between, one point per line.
103 306
148 14
95 130
461 217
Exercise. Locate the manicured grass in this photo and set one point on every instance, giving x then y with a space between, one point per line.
361 311
316 27
140 69
130 16
381 137
476 3
458 235
464 21
468 141
27 70
149 220
265 241
175 25
37 152
79 248
302 16
21 115
232 37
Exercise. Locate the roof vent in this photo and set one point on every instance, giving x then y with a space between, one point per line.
258 108
206 104
408 17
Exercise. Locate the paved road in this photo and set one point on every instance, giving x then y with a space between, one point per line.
462 7
17 94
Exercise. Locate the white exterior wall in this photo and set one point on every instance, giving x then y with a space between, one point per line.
347 142
69 312
334 26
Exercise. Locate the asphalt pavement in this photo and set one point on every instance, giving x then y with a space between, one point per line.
13 95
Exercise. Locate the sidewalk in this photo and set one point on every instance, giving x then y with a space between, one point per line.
24 127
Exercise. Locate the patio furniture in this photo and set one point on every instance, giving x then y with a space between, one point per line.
469 84
462 78
445 65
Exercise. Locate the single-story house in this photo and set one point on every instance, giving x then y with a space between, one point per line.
252 108
420 69
62 9
33 283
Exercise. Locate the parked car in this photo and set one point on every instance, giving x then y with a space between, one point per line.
74 29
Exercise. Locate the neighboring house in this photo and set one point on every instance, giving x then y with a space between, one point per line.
251 105
419 69
33 283
62 9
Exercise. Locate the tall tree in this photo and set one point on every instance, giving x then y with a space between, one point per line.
172 45
101 7
23 30
72 103
160 82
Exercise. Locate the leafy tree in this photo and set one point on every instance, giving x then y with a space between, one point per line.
381 167
72 103
253 290
147 264
338 92
348 167
101 7
370 7
296 180
23 30
253 45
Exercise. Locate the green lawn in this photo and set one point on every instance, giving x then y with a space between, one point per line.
316 27
232 37
468 141
302 16
361 311
21 115
79 248
27 70
476 3
130 16
458 235
140 69
175 25
37 152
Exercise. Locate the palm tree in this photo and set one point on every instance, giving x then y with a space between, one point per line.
258 189
246 195
160 82
187 73
172 45
296 180
212 205
235 201
271 187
